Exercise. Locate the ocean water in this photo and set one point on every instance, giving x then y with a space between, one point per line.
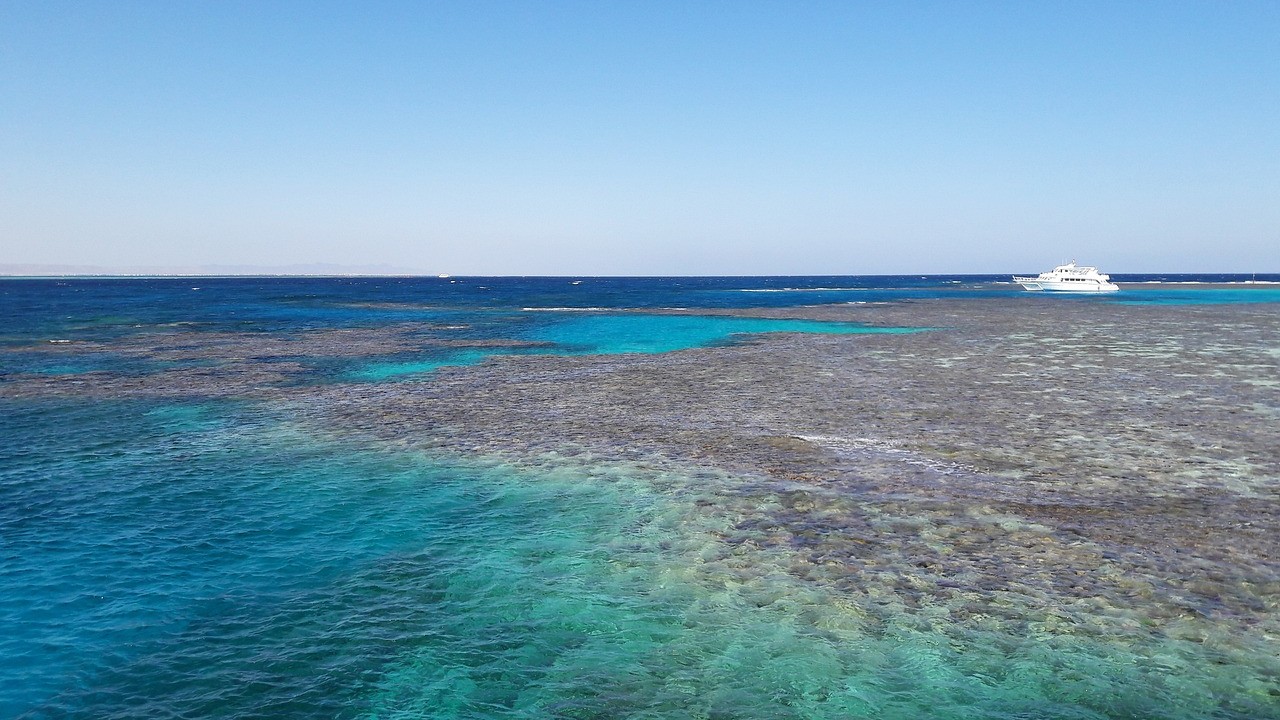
596 333
216 556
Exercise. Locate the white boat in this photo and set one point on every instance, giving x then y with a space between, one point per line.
1069 278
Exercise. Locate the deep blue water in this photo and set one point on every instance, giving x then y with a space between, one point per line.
200 558
102 307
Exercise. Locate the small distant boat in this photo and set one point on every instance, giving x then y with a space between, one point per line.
1070 278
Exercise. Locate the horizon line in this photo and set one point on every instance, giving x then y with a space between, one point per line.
448 276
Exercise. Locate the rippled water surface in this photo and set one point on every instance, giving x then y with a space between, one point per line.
222 554
189 560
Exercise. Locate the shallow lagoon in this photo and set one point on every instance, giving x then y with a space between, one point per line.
591 333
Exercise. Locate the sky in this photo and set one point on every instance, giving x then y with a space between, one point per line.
642 137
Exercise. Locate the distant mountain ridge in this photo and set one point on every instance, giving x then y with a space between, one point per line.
53 270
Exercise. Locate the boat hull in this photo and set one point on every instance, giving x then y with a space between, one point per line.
1067 287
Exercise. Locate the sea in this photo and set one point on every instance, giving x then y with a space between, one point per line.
207 554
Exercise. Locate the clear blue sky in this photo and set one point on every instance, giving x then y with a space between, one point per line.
643 137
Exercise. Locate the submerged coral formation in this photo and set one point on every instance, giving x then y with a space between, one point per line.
1025 473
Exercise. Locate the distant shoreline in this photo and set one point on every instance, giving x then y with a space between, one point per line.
995 278
113 276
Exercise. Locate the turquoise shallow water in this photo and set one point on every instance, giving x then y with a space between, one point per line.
611 334
574 333
1195 295
208 560
380 370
